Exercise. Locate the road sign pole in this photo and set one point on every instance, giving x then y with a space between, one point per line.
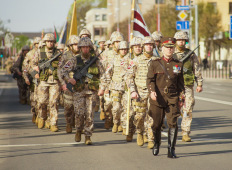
196 29
190 26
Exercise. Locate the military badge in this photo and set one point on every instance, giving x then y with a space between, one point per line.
176 69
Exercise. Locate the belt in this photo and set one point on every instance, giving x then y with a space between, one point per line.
167 90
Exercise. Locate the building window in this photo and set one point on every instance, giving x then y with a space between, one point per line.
230 7
104 17
97 17
96 31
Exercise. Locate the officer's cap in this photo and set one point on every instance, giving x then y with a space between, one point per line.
168 41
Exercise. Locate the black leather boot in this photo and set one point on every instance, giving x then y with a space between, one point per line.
157 141
172 136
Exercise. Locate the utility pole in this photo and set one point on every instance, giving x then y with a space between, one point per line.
190 25
196 29
158 16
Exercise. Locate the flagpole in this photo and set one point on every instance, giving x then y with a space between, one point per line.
132 19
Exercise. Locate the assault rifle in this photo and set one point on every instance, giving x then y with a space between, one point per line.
44 64
83 72
188 54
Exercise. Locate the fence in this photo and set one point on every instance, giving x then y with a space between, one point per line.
224 73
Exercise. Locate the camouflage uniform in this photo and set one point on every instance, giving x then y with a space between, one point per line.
85 91
137 76
48 88
17 68
68 96
191 72
27 67
116 71
9 64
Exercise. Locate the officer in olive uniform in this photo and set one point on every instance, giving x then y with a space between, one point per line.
68 96
48 88
192 71
166 84
18 71
85 91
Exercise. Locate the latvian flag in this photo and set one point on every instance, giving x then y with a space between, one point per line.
140 28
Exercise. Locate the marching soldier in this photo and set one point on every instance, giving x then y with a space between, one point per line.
48 88
136 47
68 96
85 91
116 72
18 71
137 76
165 84
60 47
192 71
157 37
115 38
27 67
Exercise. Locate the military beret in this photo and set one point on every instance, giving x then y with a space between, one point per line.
168 41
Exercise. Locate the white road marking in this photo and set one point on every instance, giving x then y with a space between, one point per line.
213 100
46 144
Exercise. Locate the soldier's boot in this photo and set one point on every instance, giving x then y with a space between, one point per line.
157 136
78 136
69 128
34 118
150 145
47 124
120 129
102 115
115 128
145 140
186 138
124 131
54 128
140 141
107 124
172 136
41 123
129 137
88 140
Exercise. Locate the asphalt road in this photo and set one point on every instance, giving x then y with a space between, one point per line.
23 146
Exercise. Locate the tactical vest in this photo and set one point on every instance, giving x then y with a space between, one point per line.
43 76
111 56
117 75
187 69
93 84
141 73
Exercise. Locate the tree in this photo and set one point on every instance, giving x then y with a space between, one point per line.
20 41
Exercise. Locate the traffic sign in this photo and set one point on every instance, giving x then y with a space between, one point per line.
180 8
182 25
182 15
230 27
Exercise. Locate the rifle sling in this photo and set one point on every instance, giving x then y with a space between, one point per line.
165 71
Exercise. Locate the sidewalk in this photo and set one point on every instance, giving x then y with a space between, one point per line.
3 76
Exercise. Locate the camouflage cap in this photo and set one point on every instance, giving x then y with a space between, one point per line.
60 46
36 40
26 48
158 33
168 41
118 37
136 41
123 45
85 41
41 43
156 37
103 39
181 35
49 37
114 34
148 40
74 39
108 42
85 32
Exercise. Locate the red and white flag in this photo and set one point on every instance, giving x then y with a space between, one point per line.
139 25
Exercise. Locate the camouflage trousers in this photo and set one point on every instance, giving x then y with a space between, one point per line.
108 107
116 97
47 96
187 110
124 113
68 106
84 104
33 102
22 86
143 121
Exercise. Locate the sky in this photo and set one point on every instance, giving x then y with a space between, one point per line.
34 15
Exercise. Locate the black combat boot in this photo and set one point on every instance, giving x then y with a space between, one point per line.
172 136
157 136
